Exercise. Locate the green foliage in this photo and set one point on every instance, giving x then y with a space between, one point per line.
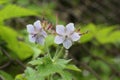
20 77
45 67
3 1
12 11
37 52
73 67
49 40
105 35
114 37
101 39
91 28
10 36
21 49
66 75
5 76
45 10
31 74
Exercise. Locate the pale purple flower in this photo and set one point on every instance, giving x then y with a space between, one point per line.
66 35
36 32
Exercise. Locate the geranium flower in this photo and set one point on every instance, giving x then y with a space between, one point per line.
66 35
36 32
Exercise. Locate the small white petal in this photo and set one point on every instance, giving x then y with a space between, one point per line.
60 29
67 43
40 40
75 36
30 28
37 25
59 39
70 28
31 38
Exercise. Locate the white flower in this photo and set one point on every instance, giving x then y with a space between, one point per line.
36 32
66 35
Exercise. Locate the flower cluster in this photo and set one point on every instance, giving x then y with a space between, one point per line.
36 32
65 35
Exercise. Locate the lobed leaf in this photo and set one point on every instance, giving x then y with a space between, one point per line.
72 67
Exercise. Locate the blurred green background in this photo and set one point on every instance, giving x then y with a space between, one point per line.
98 51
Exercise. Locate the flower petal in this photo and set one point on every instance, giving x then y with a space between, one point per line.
75 36
31 38
60 29
30 28
67 43
40 40
70 28
59 39
37 25
44 33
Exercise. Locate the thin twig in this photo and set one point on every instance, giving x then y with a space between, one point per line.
84 65
11 59
5 65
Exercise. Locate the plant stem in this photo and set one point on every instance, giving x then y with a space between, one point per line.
58 54
48 52
66 54
50 77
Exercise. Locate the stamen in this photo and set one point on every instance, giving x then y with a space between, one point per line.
34 35
49 26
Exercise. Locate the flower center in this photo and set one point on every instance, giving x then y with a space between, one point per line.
66 36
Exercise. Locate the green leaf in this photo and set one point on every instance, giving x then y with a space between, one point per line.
50 67
91 28
36 62
20 77
47 69
12 11
103 35
21 49
114 37
62 62
72 67
50 40
66 75
5 76
37 52
3 1
40 61
31 74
